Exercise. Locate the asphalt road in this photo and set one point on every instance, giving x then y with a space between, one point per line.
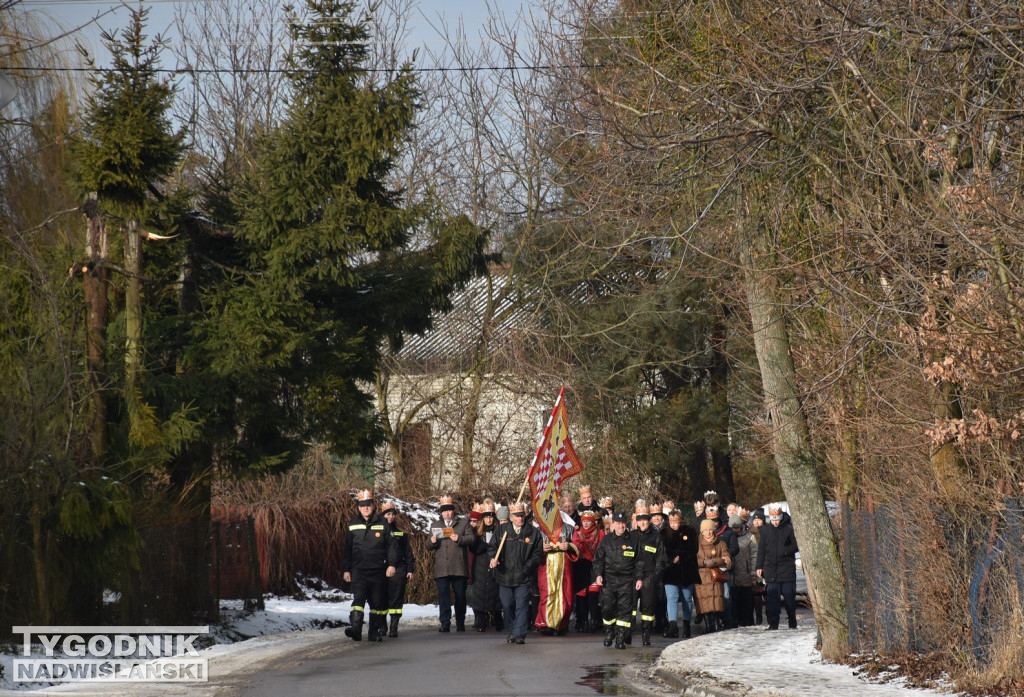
424 662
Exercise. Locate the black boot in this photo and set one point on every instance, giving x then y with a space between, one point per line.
378 627
609 634
792 621
393 629
499 622
645 632
686 629
672 631
709 623
773 623
354 630
621 633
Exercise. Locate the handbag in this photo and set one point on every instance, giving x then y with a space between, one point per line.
719 575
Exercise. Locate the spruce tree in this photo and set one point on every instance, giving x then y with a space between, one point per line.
333 262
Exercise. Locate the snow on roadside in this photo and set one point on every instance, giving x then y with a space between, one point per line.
783 663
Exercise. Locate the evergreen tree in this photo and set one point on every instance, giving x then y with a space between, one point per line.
330 260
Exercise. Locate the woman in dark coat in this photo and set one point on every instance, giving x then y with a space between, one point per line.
486 603
682 573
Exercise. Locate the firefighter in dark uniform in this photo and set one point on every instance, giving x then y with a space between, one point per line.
652 551
405 564
368 561
618 570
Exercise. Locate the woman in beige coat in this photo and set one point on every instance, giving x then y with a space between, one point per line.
711 552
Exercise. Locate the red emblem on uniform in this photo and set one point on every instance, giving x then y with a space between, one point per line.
377 534
527 540
625 547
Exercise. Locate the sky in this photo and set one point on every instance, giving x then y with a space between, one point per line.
97 15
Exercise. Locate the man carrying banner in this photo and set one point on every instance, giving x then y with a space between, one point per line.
618 570
517 554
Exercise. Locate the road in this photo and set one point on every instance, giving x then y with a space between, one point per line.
424 662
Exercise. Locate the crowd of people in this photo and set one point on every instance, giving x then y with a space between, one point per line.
607 571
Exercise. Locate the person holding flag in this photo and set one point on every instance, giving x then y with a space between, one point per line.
518 552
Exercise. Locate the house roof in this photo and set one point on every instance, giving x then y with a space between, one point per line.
451 344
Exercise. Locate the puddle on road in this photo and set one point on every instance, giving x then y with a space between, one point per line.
601 680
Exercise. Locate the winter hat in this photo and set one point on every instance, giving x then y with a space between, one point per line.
758 513
502 513
735 521
619 517
707 525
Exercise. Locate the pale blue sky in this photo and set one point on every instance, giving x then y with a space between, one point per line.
74 13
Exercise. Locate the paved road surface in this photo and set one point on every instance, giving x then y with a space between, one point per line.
424 662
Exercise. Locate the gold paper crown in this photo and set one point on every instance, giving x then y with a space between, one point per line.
388 506
585 489
446 500
517 507
668 507
487 508
365 495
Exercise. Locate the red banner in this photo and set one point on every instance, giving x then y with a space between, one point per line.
554 462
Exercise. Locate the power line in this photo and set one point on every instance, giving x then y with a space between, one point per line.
271 71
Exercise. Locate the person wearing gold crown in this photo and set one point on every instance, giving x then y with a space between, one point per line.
405 565
367 562
586 538
652 550
518 553
450 539
587 503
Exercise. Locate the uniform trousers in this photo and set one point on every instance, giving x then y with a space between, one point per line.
372 586
618 598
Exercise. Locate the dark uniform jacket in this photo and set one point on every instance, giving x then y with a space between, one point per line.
776 552
369 545
653 553
521 555
618 558
405 563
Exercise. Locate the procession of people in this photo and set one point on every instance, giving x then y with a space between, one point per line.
652 569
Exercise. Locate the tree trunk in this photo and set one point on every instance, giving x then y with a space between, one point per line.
94 287
133 306
696 464
946 460
39 555
791 445
469 429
